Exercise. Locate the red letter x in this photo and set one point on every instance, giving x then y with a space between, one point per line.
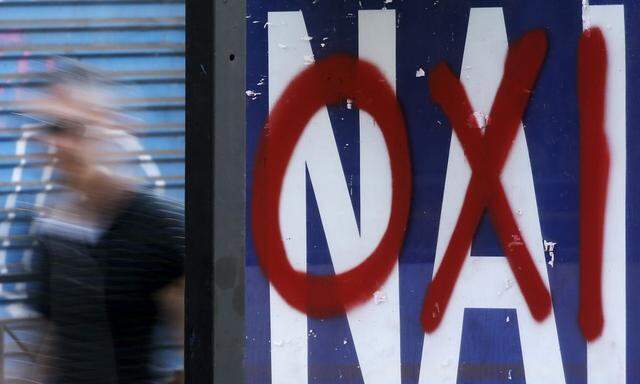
487 155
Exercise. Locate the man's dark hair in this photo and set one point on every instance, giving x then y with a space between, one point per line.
71 71
64 72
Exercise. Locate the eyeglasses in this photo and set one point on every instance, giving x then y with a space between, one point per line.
64 127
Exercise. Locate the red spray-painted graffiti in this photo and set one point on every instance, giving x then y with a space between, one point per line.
341 77
329 81
487 155
594 177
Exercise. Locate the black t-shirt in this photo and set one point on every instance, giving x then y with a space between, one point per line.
99 296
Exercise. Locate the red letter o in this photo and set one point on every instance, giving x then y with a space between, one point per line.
328 82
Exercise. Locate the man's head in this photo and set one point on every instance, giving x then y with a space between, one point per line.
75 109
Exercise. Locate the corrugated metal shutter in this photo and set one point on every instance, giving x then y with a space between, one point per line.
141 43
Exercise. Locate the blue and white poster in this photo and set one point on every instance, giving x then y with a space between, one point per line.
443 191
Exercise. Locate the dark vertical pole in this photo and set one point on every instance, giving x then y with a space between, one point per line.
199 194
229 199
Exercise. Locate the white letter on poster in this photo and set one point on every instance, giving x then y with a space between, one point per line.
375 328
606 356
487 282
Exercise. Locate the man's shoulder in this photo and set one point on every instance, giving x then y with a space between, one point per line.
147 202
151 210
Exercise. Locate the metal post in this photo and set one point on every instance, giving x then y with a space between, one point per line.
229 196
199 193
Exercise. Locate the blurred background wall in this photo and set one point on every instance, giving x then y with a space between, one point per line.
141 44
